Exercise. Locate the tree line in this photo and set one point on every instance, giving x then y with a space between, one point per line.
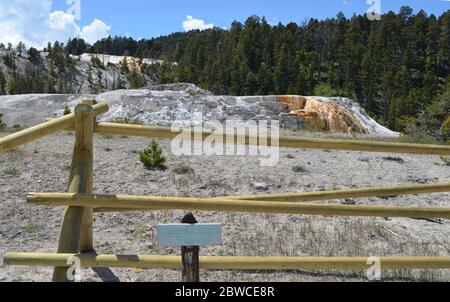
396 68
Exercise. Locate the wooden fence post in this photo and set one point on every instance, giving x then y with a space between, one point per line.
190 256
76 230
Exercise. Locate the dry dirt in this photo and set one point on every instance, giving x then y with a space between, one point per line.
43 166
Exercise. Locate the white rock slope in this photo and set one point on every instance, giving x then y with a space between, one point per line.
161 105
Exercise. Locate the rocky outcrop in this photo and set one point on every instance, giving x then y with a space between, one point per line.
162 105
132 62
322 114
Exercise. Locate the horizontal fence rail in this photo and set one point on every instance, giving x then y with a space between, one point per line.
245 206
284 141
227 262
28 135
332 195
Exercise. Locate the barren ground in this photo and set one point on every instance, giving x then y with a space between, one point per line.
43 166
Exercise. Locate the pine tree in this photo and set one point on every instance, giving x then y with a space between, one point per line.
282 72
33 55
2 82
153 157
136 80
265 80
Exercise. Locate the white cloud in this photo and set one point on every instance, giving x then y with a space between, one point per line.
94 32
193 24
35 24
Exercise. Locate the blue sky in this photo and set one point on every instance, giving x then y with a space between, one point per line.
149 18
37 22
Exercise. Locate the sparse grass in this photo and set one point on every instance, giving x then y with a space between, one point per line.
11 171
107 136
154 246
141 231
127 121
445 160
299 169
192 93
15 154
104 244
183 169
30 228
323 237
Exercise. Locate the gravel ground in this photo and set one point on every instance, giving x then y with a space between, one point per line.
43 166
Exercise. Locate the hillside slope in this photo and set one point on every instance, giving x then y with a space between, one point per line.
57 72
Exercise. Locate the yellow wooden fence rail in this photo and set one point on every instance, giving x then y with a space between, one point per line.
328 195
284 141
154 203
31 134
76 232
227 262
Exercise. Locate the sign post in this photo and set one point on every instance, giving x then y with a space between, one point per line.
190 257
190 235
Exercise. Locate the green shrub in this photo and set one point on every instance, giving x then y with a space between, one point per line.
31 228
67 110
153 157
11 171
324 90
2 125
446 129
416 133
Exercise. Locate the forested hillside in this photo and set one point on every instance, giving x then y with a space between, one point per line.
25 71
396 68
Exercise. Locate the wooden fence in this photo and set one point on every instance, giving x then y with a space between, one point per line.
76 237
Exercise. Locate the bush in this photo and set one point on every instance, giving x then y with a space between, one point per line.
33 55
67 110
11 171
416 132
96 62
324 90
153 157
446 129
2 125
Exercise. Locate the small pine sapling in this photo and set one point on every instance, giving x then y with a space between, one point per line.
67 110
153 157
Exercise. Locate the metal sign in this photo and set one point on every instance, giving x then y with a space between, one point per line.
189 234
